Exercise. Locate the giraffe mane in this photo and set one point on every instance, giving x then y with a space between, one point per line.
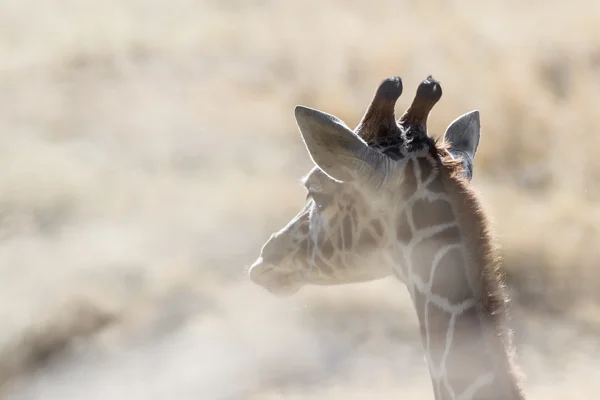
441 149
492 300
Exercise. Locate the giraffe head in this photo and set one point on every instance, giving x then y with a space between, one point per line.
346 231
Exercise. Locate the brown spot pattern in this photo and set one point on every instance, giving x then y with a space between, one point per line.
466 359
323 266
409 183
327 249
450 280
378 226
403 231
321 237
340 240
426 169
430 213
419 302
347 232
304 229
303 249
438 322
334 220
450 235
437 185
422 259
354 214
367 240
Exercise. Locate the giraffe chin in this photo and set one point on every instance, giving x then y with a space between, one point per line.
278 288
282 291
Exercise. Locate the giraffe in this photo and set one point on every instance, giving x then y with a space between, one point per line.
388 199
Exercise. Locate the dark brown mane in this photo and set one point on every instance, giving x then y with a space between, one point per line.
441 149
492 300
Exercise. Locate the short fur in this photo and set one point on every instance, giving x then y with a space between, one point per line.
407 140
492 300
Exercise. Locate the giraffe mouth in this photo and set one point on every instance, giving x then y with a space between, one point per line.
280 284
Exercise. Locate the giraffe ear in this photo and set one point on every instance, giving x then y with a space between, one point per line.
335 149
463 135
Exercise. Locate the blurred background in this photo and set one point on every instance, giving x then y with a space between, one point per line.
148 149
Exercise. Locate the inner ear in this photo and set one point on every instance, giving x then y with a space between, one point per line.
463 136
463 133
336 149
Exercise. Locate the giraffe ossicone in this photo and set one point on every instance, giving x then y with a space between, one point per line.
388 199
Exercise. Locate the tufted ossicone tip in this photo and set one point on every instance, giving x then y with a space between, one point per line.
389 91
428 94
379 119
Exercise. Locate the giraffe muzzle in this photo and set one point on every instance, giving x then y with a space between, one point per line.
267 276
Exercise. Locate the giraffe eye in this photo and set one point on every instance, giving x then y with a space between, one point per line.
312 191
321 200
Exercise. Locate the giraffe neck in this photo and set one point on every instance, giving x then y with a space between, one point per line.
454 286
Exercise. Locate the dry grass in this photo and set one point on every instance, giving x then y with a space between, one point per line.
148 148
